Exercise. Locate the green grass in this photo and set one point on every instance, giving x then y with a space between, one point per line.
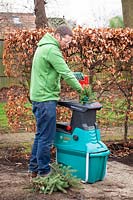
3 117
27 147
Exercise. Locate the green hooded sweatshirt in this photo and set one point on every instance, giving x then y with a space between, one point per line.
47 69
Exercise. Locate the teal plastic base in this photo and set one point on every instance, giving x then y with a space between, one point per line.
96 166
84 151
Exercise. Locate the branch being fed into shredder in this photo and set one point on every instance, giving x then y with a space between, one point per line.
87 95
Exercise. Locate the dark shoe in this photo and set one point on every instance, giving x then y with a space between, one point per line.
32 174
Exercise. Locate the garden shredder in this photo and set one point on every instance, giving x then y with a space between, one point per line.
78 143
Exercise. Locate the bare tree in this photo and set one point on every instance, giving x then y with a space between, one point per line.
127 7
41 19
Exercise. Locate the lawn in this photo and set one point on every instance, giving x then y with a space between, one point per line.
3 118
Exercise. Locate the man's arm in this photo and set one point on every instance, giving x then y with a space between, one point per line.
57 61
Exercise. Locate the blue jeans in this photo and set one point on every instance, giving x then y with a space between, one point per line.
45 114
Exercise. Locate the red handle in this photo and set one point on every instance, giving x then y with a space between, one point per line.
85 81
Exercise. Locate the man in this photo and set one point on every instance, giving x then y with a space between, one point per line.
47 69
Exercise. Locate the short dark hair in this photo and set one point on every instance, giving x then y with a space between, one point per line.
63 30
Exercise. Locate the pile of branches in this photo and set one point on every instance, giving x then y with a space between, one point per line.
60 179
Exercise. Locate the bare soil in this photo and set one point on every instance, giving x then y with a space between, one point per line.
15 184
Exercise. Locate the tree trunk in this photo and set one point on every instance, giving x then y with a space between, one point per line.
41 19
126 127
127 7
